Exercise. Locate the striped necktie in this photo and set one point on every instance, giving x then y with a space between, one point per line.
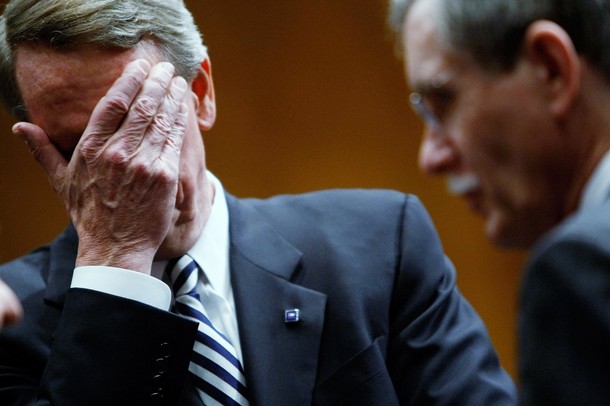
215 368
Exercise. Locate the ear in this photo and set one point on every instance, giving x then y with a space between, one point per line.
203 92
557 64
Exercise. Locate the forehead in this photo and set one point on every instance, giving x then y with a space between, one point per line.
39 67
60 88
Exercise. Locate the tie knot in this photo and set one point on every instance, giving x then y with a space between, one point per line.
182 272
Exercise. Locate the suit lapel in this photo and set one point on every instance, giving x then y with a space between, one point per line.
280 359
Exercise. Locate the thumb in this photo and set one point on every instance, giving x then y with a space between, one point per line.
10 308
43 151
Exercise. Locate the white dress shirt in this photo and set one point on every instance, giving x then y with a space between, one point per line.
211 252
597 188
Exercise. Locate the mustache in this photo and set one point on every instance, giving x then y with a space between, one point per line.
459 184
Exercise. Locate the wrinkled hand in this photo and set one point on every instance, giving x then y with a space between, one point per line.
10 308
120 185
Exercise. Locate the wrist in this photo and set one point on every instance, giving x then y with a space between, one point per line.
116 256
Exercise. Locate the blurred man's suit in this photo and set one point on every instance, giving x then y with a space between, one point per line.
564 318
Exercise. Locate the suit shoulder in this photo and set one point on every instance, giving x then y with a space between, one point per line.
31 270
577 243
351 200
342 214
26 274
591 227
31 260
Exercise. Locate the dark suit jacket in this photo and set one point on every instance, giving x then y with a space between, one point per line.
382 320
565 315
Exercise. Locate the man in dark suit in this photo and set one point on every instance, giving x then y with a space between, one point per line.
340 297
515 96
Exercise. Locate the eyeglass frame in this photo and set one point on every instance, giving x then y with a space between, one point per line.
416 100
419 107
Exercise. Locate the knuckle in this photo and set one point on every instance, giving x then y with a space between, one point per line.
118 104
133 80
176 135
132 134
161 81
166 177
140 168
90 145
158 177
144 107
162 122
174 145
180 124
117 157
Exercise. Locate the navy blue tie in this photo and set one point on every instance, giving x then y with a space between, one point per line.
215 368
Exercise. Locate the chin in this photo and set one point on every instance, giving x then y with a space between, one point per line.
182 235
506 235
174 245
498 230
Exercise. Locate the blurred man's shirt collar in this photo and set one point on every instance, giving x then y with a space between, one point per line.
597 189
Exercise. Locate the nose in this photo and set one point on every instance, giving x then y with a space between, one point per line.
437 154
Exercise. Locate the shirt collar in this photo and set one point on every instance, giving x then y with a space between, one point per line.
211 251
597 189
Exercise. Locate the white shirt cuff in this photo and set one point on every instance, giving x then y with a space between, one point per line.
124 283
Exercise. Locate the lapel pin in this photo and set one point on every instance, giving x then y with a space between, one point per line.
292 315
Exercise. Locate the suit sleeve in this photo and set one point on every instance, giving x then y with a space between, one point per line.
109 350
440 352
564 326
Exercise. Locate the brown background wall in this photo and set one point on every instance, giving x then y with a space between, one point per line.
310 95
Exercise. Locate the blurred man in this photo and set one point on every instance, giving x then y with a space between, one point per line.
341 297
515 96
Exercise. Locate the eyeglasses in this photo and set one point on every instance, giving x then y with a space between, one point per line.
420 108
436 87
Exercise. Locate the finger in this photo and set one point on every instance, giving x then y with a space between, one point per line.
173 143
110 111
163 123
43 151
10 307
143 110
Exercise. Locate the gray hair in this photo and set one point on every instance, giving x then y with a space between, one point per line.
98 23
492 31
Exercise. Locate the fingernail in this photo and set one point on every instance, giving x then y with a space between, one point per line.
180 83
167 67
18 131
141 64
